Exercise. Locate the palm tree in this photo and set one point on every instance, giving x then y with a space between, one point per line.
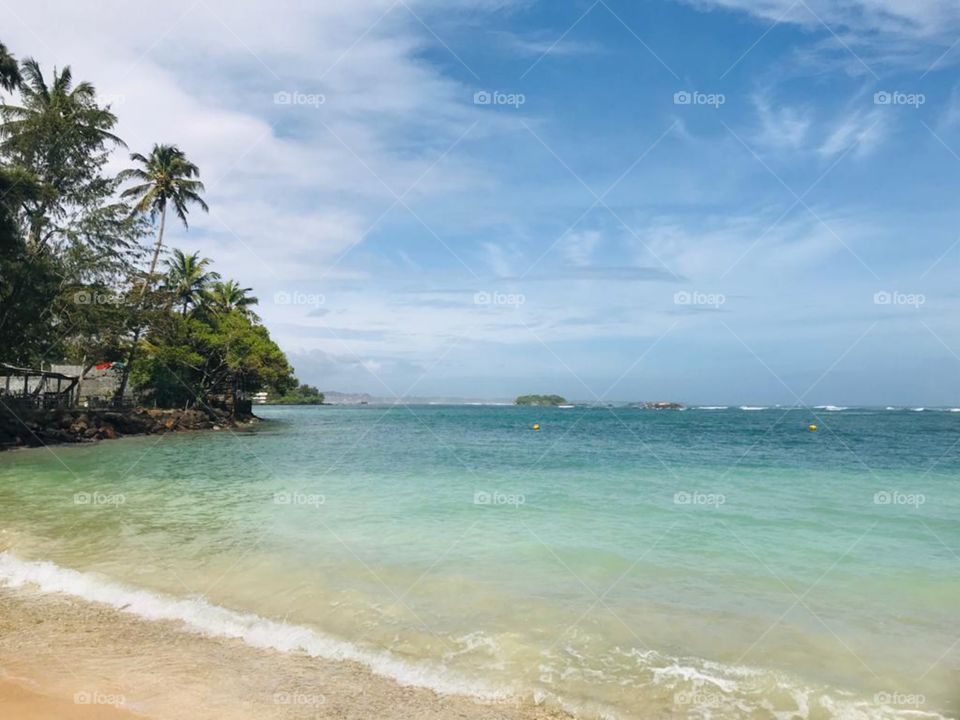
166 178
228 296
9 70
59 133
189 279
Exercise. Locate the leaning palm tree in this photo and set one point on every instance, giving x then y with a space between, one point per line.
188 278
164 178
9 70
227 296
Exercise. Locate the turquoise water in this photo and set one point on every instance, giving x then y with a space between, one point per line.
619 563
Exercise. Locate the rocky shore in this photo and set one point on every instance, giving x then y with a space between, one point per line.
74 425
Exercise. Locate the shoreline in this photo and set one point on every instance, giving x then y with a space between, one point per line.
79 426
159 669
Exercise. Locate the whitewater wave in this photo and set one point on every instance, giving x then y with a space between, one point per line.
712 407
830 408
753 407
727 689
204 618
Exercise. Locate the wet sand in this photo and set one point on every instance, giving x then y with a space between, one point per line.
57 648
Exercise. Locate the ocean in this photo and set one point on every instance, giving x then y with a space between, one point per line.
615 563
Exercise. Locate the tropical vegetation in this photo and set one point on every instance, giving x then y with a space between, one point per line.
85 275
300 395
540 400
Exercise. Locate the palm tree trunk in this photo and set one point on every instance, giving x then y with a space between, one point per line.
156 250
125 377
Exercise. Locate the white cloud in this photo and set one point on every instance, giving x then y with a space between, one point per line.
578 247
863 37
918 18
542 43
290 186
782 127
859 133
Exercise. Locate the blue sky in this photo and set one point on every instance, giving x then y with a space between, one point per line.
721 201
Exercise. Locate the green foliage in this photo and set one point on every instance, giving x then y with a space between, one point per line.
540 400
9 70
166 176
61 135
188 278
185 360
228 296
61 229
72 252
300 395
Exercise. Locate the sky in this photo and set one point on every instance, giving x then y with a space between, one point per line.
708 201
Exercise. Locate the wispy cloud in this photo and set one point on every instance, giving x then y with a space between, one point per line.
782 127
539 43
863 132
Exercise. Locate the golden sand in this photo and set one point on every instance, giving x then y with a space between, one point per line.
59 649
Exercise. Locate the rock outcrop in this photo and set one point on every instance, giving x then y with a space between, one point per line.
30 428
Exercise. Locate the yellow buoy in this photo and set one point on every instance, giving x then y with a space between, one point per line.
812 428
536 426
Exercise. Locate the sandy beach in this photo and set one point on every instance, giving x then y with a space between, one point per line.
18 700
54 649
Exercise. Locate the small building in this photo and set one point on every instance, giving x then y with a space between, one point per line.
31 387
259 398
98 386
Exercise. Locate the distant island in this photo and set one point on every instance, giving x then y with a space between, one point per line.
540 400
300 395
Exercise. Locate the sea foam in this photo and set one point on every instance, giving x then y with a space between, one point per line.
202 617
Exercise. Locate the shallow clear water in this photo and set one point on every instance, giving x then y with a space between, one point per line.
705 562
